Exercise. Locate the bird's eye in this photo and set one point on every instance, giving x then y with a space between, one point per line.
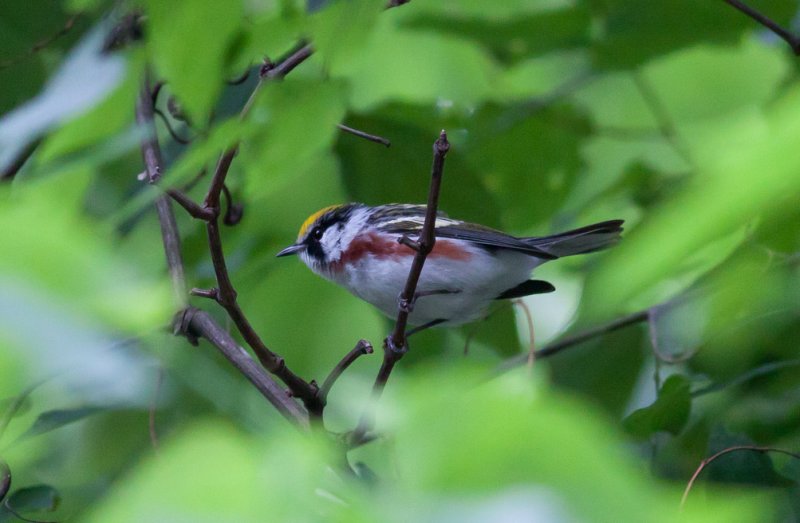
317 233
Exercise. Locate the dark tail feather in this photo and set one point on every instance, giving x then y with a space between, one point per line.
579 241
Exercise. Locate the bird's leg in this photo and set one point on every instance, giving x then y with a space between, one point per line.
408 305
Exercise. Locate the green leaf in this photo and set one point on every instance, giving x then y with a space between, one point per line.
88 266
287 142
189 42
633 34
455 73
38 498
54 419
669 413
723 197
48 109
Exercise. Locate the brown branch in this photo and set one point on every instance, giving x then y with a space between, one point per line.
571 341
287 65
225 294
707 461
195 211
41 44
395 345
366 136
198 320
362 347
151 154
197 323
788 37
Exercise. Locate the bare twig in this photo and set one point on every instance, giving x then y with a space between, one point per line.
287 66
707 461
171 130
197 323
151 153
225 294
361 348
194 210
577 339
788 37
366 136
395 345
41 44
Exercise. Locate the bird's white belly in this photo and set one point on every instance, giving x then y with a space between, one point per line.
463 288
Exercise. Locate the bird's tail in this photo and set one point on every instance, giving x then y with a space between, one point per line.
579 241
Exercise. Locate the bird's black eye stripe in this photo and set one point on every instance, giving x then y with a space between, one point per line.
317 233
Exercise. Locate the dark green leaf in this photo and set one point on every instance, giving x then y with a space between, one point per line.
189 40
38 498
669 413
54 419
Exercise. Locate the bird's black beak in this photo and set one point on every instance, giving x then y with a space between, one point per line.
292 249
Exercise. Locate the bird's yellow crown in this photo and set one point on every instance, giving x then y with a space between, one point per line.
313 218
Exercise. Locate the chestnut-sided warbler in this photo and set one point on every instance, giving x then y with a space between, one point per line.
470 266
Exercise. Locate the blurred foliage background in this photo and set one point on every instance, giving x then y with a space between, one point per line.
681 117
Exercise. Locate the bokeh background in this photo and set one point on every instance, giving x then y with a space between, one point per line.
680 117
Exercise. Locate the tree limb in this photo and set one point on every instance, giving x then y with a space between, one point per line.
395 345
784 34
198 323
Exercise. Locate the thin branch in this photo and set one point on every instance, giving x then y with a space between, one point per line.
151 154
362 347
41 44
366 136
181 140
707 461
287 66
226 294
194 209
395 345
788 37
197 323
571 341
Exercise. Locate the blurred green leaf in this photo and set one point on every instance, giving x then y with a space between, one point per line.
725 195
297 122
30 120
631 34
87 264
189 40
54 419
669 412
453 74
38 498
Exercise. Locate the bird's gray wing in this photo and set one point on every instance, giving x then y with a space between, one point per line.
490 239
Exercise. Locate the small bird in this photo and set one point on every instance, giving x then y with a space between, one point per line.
470 266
